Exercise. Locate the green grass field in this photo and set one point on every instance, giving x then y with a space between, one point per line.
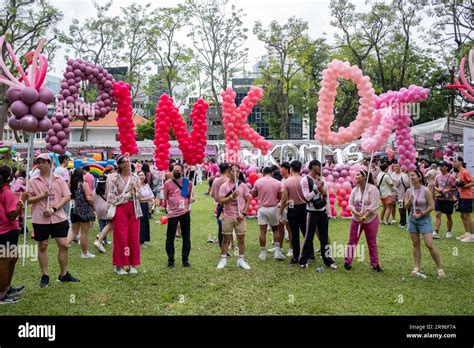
270 288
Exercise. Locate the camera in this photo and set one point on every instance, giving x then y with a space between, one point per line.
459 184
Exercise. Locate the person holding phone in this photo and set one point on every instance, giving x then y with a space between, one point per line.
420 199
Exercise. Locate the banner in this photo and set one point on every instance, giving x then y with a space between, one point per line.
468 138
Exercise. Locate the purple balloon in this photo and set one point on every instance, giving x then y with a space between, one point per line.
82 66
78 79
70 61
107 102
103 112
73 89
44 125
344 173
14 123
88 70
61 135
19 108
46 95
49 147
108 84
29 95
325 172
60 98
67 130
57 127
75 64
50 132
39 109
100 76
65 93
335 174
29 123
71 82
65 123
101 104
70 75
63 142
69 68
70 100
53 140
13 94
108 108
77 72
58 149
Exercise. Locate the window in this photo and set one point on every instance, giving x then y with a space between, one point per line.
258 115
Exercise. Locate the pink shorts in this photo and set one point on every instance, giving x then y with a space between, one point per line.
387 200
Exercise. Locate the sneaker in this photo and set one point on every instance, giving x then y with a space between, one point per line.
262 256
305 266
7 299
441 274
290 253
15 291
120 271
463 236
449 235
99 246
44 282
279 255
435 235
186 263
170 264
143 245
333 266
87 255
347 266
67 278
222 263
132 270
243 264
393 222
292 261
468 239
377 269
228 254
312 258
272 250
402 226
317 251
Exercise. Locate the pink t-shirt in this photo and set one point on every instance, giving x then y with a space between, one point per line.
371 198
176 205
90 180
216 185
38 186
267 189
293 187
231 209
8 202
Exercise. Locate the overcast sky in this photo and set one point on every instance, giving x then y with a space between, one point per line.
315 12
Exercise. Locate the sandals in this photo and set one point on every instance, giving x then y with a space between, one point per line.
415 271
441 273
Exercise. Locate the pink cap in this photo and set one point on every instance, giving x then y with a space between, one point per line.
43 156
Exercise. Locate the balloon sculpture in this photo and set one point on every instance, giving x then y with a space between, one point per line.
327 95
450 151
27 95
167 117
78 70
235 123
469 94
126 136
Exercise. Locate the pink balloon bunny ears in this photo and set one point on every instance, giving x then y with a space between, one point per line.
469 93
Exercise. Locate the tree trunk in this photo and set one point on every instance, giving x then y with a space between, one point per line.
84 131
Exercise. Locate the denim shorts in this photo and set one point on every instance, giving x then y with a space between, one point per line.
422 225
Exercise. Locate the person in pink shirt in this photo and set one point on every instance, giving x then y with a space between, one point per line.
268 190
216 185
89 177
48 217
293 197
235 197
364 203
178 211
10 209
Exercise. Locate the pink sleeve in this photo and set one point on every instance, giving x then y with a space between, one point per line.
222 192
10 201
308 195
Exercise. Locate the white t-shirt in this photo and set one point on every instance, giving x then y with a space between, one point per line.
63 172
384 183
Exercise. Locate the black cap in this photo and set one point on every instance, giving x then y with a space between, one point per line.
443 163
460 159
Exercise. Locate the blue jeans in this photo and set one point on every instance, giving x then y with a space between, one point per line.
102 224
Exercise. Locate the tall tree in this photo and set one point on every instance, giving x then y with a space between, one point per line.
287 42
218 36
24 23
98 40
175 61
137 27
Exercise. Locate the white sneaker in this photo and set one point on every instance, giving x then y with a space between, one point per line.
290 253
468 239
243 264
435 235
99 246
463 236
133 270
222 263
393 222
120 271
333 266
87 255
262 256
449 235
279 255
272 250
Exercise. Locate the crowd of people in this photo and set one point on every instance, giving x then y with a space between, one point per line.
65 204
